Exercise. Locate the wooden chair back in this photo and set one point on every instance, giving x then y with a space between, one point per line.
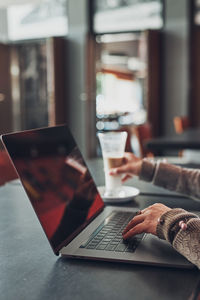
181 123
143 133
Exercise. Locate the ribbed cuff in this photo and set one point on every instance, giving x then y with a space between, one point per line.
168 220
147 170
193 227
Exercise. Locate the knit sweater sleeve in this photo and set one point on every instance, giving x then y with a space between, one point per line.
186 242
182 180
186 181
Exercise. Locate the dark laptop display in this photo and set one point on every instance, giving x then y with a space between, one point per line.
56 180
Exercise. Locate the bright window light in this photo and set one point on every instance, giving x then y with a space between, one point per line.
118 96
37 20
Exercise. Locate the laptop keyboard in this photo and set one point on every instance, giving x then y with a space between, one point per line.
108 236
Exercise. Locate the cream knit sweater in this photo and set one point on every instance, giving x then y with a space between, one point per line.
185 181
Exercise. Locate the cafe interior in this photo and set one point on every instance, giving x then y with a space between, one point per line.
101 66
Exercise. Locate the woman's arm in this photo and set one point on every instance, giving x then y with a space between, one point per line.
160 173
182 180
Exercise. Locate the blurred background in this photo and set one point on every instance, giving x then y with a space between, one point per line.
99 65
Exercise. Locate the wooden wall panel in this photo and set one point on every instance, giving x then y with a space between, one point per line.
57 48
5 90
154 80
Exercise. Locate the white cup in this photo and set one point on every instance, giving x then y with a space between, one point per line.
112 146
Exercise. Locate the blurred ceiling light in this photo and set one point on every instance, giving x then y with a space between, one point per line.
121 37
139 16
6 3
37 19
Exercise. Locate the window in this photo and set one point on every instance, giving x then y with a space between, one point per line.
121 74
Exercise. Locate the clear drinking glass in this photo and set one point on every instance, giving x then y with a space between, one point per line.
113 147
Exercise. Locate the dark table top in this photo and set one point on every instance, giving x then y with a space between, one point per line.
30 270
189 139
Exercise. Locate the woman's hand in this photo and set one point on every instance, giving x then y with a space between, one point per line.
146 221
131 166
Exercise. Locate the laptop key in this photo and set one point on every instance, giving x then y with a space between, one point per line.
101 247
111 247
114 243
121 248
91 246
131 250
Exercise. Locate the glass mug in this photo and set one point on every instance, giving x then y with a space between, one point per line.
113 147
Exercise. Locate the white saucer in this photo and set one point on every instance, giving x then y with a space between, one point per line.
127 194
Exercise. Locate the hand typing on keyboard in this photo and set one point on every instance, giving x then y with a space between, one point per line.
108 236
145 221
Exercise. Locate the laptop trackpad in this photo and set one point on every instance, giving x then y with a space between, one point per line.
161 250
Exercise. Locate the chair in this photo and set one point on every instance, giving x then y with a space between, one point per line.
181 123
7 171
143 133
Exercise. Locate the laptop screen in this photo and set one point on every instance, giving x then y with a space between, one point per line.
56 179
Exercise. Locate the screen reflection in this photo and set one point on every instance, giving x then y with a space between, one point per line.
56 180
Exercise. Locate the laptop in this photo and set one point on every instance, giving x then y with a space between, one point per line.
69 207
